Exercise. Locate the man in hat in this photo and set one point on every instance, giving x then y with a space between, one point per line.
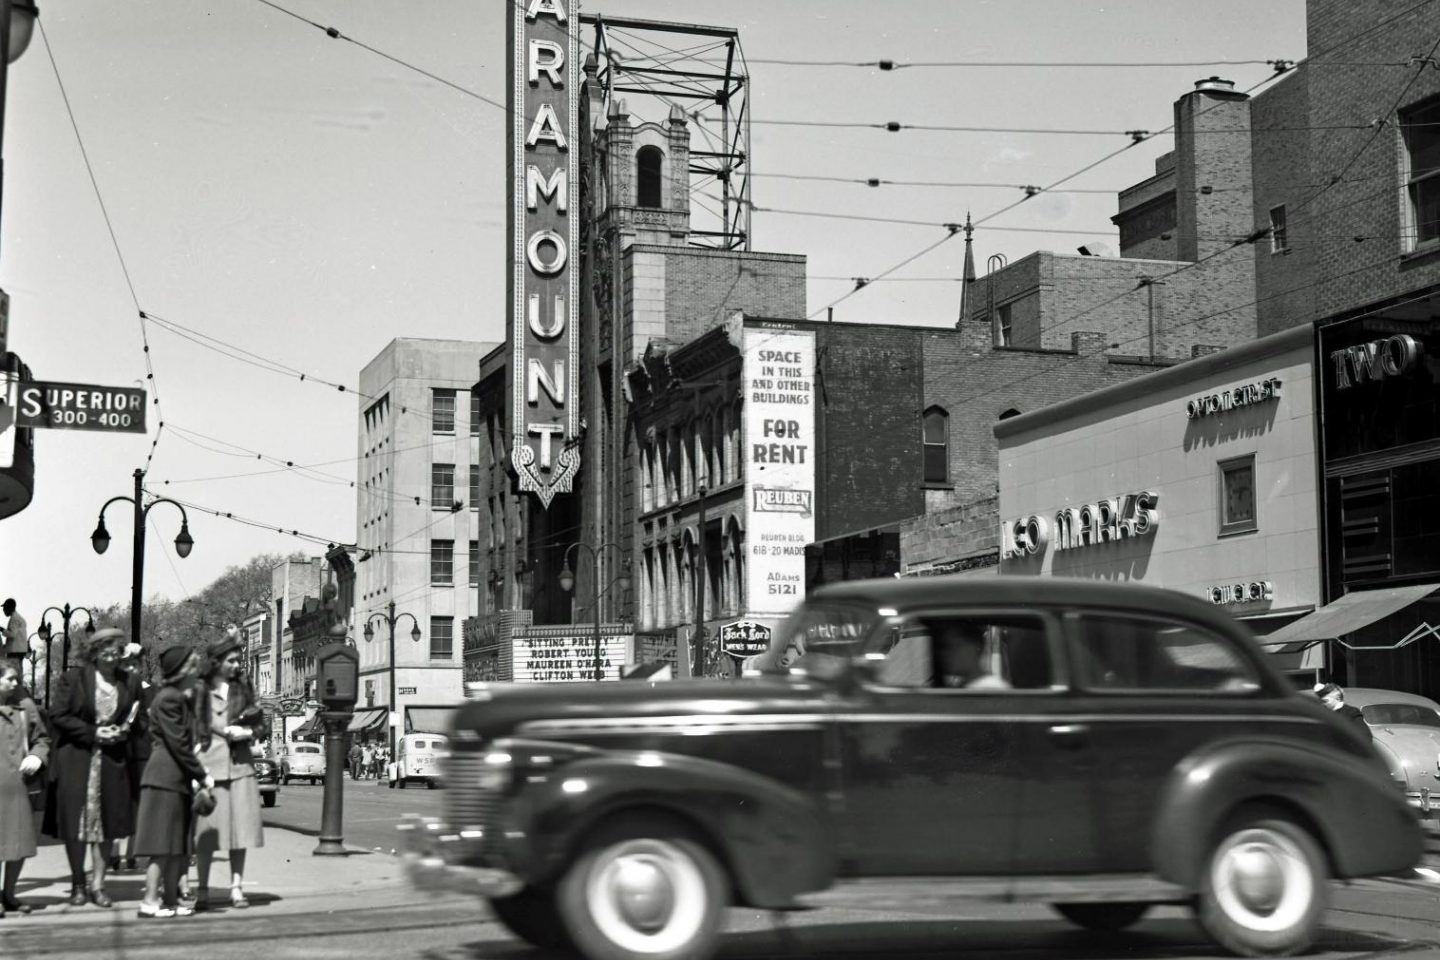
17 632
1333 696
959 655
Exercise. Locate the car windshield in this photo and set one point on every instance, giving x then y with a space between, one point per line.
825 629
1408 714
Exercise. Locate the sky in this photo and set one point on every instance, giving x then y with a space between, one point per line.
307 200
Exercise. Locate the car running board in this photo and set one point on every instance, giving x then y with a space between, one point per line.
901 892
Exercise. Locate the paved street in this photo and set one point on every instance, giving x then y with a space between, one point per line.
371 810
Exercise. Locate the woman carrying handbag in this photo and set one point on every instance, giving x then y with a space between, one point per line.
24 747
166 817
94 707
229 720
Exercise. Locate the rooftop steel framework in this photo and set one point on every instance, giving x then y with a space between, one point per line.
702 71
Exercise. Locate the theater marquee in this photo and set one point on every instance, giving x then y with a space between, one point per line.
544 171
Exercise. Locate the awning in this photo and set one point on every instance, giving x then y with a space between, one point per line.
305 729
428 720
1352 612
366 720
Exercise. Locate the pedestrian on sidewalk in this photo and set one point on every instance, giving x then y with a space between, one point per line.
367 761
1333 696
95 706
16 633
165 823
379 763
230 719
355 756
132 663
24 748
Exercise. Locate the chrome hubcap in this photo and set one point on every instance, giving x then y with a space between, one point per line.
643 894
1258 877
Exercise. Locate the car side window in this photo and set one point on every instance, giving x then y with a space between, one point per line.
1139 654
972 654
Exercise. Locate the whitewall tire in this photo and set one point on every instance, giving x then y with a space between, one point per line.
1264 889
644 894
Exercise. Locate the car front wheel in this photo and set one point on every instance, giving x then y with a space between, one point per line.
1264 889
1107 917
532 916
268 799
644 891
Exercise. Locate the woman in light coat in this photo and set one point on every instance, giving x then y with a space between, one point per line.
229 720
24 748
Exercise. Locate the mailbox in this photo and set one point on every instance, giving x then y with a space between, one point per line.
337 676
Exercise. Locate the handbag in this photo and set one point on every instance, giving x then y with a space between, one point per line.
202 804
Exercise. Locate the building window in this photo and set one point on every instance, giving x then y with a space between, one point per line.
442 485
1279 240
474 486
1420 127
648 164
937 445
1003 313
474 414
442 563
442 411
442 638
1237 495
492 439
474 563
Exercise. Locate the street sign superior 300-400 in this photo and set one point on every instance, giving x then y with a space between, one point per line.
80 406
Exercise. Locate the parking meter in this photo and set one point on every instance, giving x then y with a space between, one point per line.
337 676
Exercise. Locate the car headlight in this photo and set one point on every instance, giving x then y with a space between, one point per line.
495 773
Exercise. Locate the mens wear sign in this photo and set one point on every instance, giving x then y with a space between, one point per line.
779 391
544 173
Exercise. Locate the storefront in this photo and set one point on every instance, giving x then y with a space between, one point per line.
1380 446
1200 477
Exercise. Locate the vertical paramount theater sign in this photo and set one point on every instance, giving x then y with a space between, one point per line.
544 171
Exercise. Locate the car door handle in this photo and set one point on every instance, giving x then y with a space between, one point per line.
1069 735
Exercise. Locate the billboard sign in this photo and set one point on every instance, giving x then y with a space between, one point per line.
80 406
779 385
544 219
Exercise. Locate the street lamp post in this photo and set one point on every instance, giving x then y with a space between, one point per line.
567 583
100 540
389 618
45 631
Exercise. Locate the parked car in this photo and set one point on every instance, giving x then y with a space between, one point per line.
1406 727
302 761
417 759
267 772
1100 747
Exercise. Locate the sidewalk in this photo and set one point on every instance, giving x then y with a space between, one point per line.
283 877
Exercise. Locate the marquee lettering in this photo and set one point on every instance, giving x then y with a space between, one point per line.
1090 524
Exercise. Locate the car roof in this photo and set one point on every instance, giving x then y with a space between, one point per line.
1369 696
909 593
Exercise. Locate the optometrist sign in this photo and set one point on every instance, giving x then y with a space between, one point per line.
544 218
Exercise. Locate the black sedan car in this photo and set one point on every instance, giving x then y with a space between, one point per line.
1099 747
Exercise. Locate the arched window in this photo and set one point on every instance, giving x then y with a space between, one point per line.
937 445
648 163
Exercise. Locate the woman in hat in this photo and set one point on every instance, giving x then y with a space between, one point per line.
94 707
24 747
229 720
132 663
165 821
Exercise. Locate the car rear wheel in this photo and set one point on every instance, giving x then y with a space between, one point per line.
644 891
1107 917
1264 889
268 799
532 916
